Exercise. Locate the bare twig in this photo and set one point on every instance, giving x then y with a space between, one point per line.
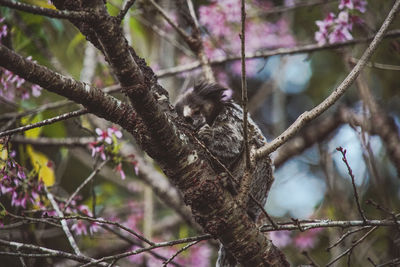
391 213
350 249
49 142
245 182
196 44
344 158
51 252
165 263
87 180
63 222
307 255
52 13
164 14
371 261
264 54
377 65
140 250
393 262
166 36
348 233
244 84
124 11
307 224
45 122
335 95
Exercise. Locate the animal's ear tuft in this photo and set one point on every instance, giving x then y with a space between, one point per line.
211 91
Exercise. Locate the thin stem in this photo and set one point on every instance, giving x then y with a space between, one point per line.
52 13
87 180
124 11
63 222
352 247
45 122
344 158
265 54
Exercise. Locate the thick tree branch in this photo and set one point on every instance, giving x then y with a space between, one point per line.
94 99
52 13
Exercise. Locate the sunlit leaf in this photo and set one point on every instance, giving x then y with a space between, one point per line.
40 163
35 132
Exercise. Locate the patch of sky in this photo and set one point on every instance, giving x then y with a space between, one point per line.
296 190
349 139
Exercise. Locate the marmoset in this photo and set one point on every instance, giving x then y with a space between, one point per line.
218 122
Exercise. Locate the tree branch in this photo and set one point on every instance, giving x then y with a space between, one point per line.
52 13
264 54
62 117
336 94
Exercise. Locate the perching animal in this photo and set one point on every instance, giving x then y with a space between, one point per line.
218 122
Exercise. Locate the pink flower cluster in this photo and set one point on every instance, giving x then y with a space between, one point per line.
27 190
223 20
106 144
104 138
11 85
22 189
338 29
81 227
303 240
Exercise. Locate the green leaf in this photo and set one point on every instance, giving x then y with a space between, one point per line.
112 9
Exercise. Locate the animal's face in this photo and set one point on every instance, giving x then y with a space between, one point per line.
194 111
200 105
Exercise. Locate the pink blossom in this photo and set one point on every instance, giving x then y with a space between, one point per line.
3 31
85 210
360 5
280 238
97 148
92 146
340 34
113 130
119 169
21 173
222 20
94 227
307 239
36 90
103 136
344 20
79 228
346 4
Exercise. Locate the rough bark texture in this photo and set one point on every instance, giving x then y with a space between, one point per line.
152 124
